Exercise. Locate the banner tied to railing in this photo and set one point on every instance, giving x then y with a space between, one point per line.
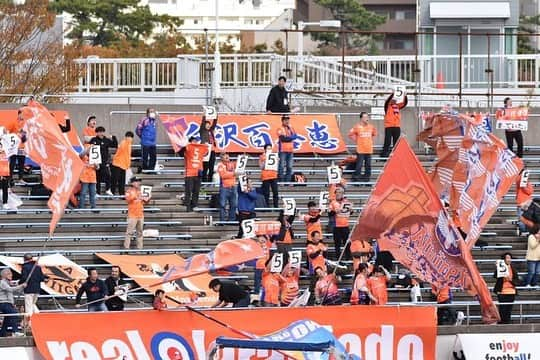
316 133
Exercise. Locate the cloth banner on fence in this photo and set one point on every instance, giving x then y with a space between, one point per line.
225 254
65 276
146 270
60 164
405 214
317 133
385 332
513 118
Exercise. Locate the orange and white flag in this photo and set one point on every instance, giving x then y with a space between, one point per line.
60 165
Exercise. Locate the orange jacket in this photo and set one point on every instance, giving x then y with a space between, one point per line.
289 135
392 117
122 158
4 165
135 203
226 173
523 194
88 174
363 136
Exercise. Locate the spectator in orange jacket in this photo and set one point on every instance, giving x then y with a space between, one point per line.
363 134
269 178
377 282
120 163
88 182
227 187
135 217
4 177
392 123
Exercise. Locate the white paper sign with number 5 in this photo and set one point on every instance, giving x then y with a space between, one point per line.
289 206
242 179
502 269
210 112
334 174
277 263
146 191
94 155
399 93
10 144
271 161
524 179
241 163
323 200
295 259
248 227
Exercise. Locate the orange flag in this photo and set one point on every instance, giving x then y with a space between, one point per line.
405 214
60 165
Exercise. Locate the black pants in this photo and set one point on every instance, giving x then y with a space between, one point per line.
17 160
515 135
266 186
4 185
118 180
505 310
390 134
242 215
103 176
341 234
192 186
208 168
148 157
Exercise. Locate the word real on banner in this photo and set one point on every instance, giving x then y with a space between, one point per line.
513 118
386 333
498 346
316 133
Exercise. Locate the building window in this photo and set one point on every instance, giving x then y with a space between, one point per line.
400 15
195 21
401 44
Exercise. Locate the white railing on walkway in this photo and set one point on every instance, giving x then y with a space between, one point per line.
319 73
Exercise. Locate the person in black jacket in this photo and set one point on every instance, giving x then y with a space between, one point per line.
104 172
229 293
113 283
278 100
95 290
506 289
206 132
33 276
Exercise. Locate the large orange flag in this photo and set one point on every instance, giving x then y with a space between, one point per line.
405 214
60 165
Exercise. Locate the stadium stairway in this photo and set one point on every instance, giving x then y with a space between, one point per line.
80 234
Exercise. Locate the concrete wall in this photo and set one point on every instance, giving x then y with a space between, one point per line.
119 123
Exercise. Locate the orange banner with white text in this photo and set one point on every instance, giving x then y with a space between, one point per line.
239 133
147 270
372 332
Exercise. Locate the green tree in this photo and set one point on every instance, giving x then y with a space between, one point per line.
104 22
527 37
353 16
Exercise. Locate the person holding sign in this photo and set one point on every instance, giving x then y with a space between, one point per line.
524 192
4 178
286 136
103 171
271 281
505 287
246 205
286 234
147 131
512 134
341 209
121 163
88 181
363 134
19 157
206 132
278 100
392 122
269 162
227 187
289 286
260 264
135 218
193 154
316 251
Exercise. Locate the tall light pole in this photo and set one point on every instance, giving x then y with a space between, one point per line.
300 44
217 96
